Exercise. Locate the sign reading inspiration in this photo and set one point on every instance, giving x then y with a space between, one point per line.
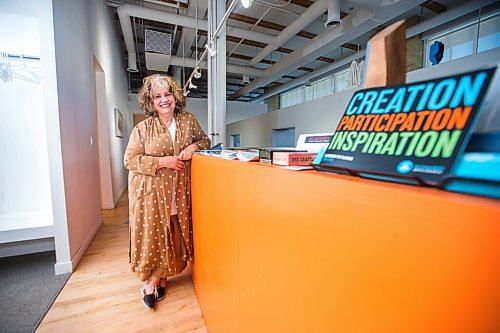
408 131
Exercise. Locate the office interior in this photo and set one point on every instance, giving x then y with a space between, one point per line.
75 68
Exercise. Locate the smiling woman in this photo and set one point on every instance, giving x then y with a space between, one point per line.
158 159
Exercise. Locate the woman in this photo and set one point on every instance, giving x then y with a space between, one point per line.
157 157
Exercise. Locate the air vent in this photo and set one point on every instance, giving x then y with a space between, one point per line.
158 42
158 47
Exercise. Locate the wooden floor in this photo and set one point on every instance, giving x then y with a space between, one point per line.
102 295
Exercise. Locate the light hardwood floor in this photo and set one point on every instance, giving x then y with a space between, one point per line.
102 295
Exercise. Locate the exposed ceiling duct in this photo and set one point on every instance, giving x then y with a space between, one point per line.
312 13
304 79
127 11
355 24
333 14
157 48
197 10
410 32
236 69
296 57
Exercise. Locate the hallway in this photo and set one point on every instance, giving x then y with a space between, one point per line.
102 295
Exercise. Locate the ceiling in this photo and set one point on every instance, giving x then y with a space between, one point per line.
293 28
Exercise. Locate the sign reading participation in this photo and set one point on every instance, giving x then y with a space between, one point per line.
412 131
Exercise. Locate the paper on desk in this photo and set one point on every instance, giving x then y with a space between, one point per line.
248 155
298 167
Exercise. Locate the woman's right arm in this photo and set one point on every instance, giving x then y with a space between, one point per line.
136 160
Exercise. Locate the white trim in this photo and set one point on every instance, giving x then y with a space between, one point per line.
118 197
18 235
26 247
81 251
63 267
69 266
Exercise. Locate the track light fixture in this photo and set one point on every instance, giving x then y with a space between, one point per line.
192 85
246 79
197 73
210 49
246 3
186 92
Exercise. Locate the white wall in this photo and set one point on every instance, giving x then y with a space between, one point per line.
235 111
324 114
26 198
83 31
107 48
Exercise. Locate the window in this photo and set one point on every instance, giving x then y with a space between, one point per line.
293 97
463 41
308 92
489 34
341 80
283 137
235 140
323 87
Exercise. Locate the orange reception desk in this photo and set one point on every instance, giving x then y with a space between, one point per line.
286 251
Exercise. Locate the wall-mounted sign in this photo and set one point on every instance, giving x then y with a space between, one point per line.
411 132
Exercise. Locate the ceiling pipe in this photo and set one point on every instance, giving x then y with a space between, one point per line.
128 36
333 14
410 32
126 11
353 25
189 36
162 3
303 79
310 15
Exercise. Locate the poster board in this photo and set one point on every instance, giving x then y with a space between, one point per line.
410 133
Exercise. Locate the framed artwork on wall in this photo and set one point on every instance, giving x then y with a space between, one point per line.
118 123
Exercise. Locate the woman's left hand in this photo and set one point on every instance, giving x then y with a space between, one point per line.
187 153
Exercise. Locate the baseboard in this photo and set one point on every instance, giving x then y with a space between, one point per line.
81 251
118 197
26 247
65 267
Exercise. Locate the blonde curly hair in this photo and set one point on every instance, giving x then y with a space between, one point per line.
155 82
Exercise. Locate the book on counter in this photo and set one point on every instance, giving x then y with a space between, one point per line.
248 155
293 158
266 154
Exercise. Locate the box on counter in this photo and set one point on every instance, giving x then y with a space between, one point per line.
266 154
293 158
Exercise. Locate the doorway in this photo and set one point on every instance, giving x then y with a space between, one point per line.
102 140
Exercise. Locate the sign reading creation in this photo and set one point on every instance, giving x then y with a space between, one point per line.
412 131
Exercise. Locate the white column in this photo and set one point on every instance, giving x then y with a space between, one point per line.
217 74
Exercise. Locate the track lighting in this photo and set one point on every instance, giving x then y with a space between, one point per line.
186 92
192 85
246 3
197 73
210 49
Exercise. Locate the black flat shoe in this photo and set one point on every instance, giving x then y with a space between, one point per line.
161 291
149 293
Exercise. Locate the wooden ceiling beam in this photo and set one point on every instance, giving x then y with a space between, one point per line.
435 6
302 3
248 58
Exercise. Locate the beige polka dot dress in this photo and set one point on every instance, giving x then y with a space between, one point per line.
157 242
